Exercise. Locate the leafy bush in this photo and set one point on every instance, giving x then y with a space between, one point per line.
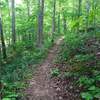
79 50
55 72
19 66
72 45
83 80
92 90
92 93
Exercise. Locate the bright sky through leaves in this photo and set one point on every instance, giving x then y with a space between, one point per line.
18 1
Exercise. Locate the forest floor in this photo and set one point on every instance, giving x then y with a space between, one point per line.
41 86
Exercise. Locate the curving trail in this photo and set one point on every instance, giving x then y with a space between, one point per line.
41 86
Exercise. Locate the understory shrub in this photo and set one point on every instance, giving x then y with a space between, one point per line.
81 52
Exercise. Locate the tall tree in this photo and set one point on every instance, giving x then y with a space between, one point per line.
9 14
2 40
28 7
54 20
79 12
94 13
87 13
59 5
13 22
64 23
73 10
40 22
80 8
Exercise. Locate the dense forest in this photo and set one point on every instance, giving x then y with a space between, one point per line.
49 49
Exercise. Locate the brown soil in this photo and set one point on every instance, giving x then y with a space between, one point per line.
41 86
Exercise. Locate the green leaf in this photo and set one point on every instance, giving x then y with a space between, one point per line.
98 78
97 95
55 72
92 88
87 96
6 99
12 95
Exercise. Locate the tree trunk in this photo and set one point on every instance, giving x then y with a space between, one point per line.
13 23
73 16
80 4
87 11
59 19
94 16
64 24
59 23
79 13
9 13
2 40
53 20
40 22
28 8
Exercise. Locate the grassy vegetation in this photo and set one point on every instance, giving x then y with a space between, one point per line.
81 53
28 28
19 67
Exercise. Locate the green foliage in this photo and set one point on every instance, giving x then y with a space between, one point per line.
89 85
79 51
20 66
74 44
83 58
73 40
97 35
86 81
68 74
93 92
55 72
86 96
79 48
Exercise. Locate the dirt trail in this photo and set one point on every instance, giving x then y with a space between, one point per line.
41 86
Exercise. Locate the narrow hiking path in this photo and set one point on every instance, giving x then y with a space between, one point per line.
40 86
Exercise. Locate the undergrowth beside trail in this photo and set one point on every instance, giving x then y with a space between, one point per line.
78 65
19 67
